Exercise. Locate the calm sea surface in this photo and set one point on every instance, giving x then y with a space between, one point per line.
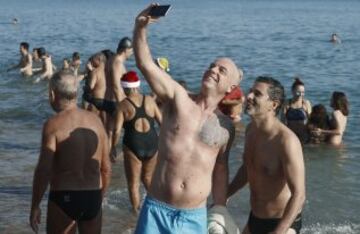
280 38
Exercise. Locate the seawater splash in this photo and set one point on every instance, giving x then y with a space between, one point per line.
344 228
128 231
119 199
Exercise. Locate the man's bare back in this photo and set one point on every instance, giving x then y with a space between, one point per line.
47 68
117 69
114 91
74 160
99 86
81 142
96 84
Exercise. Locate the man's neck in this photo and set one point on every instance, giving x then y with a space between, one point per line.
122 57
65 105
265 123
207 102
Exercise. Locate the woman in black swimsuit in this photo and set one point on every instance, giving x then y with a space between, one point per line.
297 111
137 114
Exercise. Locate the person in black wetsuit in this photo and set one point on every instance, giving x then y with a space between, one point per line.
136 114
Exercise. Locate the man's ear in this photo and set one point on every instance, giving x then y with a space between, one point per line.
51 96
231 88
241 74
275 105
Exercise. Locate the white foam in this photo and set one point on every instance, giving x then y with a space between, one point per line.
345 228
128 231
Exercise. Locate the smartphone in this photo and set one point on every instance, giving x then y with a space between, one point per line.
159 11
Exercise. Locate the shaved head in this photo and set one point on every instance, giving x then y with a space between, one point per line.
235 73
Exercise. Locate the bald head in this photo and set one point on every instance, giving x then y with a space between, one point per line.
235 73
64 84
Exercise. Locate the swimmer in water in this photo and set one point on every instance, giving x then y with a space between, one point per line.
66 64
338 120
335 38
25 63
296 110
47 66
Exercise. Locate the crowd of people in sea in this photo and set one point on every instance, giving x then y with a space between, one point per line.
188 160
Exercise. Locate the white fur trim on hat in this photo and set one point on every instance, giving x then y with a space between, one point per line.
130 85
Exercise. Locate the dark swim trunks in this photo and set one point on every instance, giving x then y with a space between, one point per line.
264 226
101 104
78 205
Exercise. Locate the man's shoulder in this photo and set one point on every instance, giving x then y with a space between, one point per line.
338 113
78 113
287 138
88 115
285 133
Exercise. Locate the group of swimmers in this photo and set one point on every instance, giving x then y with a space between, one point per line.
188 160
39 63
313 124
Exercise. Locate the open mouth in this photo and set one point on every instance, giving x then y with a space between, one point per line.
216 79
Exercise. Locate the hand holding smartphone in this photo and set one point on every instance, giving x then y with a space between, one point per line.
159 10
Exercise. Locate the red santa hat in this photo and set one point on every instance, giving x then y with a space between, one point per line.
130 80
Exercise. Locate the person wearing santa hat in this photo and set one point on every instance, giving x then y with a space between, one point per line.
137 114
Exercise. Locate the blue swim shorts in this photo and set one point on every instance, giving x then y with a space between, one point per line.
158 217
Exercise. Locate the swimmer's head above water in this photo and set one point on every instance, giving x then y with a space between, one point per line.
24 47
125 46
41 51
335 38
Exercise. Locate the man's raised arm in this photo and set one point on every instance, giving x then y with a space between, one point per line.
160 82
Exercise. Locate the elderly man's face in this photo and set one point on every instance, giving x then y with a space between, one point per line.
220 76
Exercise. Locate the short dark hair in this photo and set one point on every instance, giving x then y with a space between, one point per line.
25 45
275 91
108 53
76 56
297 82
340 102
319 117
124 43
41 51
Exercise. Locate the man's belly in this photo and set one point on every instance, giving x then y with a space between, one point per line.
182 189
264 206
